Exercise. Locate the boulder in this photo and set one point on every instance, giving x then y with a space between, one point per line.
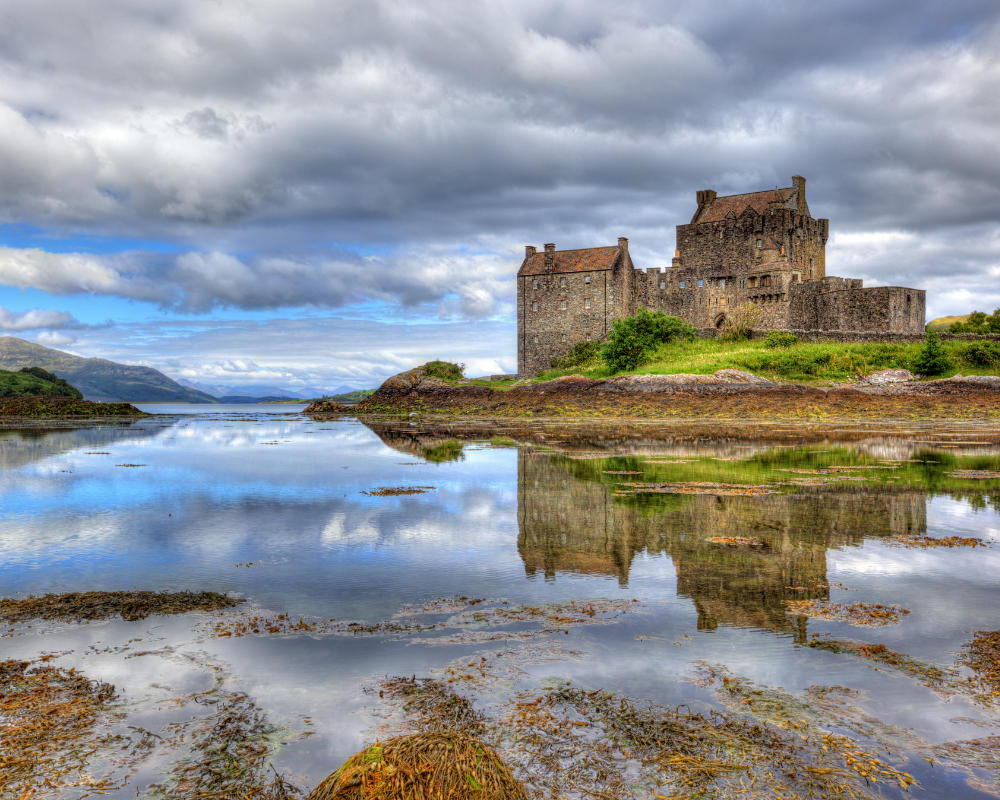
886 376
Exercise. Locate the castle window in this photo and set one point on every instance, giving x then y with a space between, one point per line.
563 305
562 283
682 284
534 306
534 283
760 243
795 277
586 303
587 279
722 282
564 337
701 282
663 285
536 340
765 281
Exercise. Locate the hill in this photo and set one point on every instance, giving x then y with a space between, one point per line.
98 378
942 323
35 382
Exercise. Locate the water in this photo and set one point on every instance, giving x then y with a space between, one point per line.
265 504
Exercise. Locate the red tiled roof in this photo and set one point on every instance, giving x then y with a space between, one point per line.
737 204
590 260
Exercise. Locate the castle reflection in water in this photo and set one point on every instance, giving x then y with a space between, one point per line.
568 524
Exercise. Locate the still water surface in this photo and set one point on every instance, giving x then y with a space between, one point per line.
271 506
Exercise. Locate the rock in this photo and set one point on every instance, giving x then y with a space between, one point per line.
739 376
886 376
326 407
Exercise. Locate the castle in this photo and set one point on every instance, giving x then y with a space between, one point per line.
762 247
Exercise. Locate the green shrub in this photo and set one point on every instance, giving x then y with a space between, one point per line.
632 340
581 353
983 354
777 339
740 323
444 370
931 359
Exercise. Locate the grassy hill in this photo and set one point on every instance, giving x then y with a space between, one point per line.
98 378
38 383
942 323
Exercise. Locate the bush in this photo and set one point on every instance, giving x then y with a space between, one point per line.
983 354
932 359
777 339
581 353
740 323
632 340
444 370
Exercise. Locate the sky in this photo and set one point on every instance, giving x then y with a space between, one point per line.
327 192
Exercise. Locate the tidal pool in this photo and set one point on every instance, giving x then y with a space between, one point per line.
819 585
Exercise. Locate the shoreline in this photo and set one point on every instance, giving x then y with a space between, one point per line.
671 397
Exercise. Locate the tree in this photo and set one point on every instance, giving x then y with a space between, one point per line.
632 340
932 359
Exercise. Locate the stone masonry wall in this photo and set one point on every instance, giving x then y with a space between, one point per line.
551 330
734 247
879 308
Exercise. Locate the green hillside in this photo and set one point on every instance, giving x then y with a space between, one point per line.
942 323
98 378
35 382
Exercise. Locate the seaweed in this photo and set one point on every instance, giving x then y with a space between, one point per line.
423 765
50 728
228 753
871 615
396 491
130 606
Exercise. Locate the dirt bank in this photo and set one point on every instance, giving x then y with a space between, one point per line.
727 393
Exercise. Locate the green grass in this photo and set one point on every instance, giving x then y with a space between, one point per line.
803 362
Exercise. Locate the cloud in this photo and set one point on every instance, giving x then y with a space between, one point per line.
278 148
458 284
34 319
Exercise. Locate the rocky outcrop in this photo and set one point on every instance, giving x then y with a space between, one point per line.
326 407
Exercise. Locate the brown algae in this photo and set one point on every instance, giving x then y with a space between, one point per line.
135 605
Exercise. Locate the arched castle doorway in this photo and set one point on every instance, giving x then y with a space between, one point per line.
720 320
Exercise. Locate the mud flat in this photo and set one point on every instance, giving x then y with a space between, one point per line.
726 394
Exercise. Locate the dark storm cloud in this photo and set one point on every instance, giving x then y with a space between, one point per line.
431 131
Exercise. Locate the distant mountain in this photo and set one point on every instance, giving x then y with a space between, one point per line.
98 378
222 390
229 398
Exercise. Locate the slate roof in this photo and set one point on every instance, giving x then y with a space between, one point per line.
760 202
592 259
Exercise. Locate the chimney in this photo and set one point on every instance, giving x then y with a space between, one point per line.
799 184
529 250
550 257
705 196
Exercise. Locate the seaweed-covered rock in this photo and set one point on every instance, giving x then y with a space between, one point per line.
438 764
326 407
